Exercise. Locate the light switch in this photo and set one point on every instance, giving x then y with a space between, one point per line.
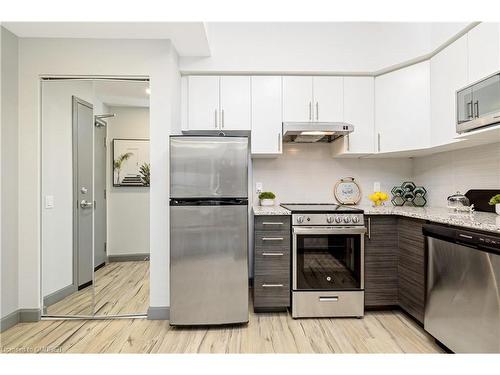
49 201
376 186
258 187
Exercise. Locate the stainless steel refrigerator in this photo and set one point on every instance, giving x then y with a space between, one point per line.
208 230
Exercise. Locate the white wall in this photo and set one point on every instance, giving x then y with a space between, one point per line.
151 58
316 47
9 139
127 207
445 173
307 173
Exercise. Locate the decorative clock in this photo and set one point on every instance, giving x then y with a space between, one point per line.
347 191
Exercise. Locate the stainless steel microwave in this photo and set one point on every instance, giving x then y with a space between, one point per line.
478 105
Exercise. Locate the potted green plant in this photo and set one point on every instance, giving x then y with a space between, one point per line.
495 200
267 198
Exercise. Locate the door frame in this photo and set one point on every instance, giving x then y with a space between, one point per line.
52 77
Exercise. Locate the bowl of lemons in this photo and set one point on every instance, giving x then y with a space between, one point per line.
378 198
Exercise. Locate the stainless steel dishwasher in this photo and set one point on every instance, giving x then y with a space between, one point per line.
462 298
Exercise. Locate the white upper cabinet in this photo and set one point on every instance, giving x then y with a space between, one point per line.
328 99
203 103
266 116
218 103
402 108
235 103
297 99
448 74
484 51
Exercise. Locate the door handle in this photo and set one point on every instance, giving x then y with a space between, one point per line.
272 254
215 118
222 118
85 204
369 228
310 111
476 104
317 111
469 110
271 223
272 285
272 238
328 299
279 142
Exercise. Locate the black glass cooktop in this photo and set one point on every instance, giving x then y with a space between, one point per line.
321 207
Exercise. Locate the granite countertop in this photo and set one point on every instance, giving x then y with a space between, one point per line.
270 210
485 221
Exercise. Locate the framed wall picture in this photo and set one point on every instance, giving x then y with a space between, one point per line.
131 165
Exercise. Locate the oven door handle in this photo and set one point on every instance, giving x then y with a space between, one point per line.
329 230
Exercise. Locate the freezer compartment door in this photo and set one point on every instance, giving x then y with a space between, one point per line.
204 167
208 265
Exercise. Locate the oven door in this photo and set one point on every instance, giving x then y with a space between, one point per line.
328 258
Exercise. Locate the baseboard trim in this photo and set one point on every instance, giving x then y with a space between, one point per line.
20 316
128 257
59 295
159 313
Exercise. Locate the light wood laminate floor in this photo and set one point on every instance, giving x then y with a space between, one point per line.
120 288
378 332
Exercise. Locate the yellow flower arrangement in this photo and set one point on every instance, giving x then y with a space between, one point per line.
378 197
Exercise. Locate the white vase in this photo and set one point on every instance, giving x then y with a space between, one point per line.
497 208
267 202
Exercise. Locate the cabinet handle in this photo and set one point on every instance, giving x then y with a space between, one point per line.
272 238
469 110
310 111
378 142
348 143
369 228
476 104
272 254
272 285
216 119
279 142
317 111
271 223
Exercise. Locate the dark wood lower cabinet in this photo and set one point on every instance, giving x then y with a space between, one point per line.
395 264
411 267
381 261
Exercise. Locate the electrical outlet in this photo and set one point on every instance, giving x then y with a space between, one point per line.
376 186
258 187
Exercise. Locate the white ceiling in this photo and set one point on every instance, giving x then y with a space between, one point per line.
122 93
189 38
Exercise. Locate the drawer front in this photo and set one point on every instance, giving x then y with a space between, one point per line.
272 223
272 261
271 291
272 238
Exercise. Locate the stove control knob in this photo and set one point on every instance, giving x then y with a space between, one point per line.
300 219
329 219
355 219
338 219
347 219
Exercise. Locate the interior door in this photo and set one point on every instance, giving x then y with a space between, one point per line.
203 103
235 103
83 131
99 196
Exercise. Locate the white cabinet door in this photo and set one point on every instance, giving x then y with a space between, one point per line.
203 102
328 99
484 51
266 115
297 99
448 74
235 105
402 108
359 103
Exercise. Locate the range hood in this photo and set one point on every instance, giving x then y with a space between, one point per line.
311 132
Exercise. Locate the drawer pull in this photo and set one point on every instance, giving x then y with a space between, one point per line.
272 285
328 299
272 254
272 238
271 223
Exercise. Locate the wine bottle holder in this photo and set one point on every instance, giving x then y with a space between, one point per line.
410 194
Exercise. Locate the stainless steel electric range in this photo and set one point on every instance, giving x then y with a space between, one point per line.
327 260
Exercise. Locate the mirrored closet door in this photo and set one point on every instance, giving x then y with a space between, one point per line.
95 197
